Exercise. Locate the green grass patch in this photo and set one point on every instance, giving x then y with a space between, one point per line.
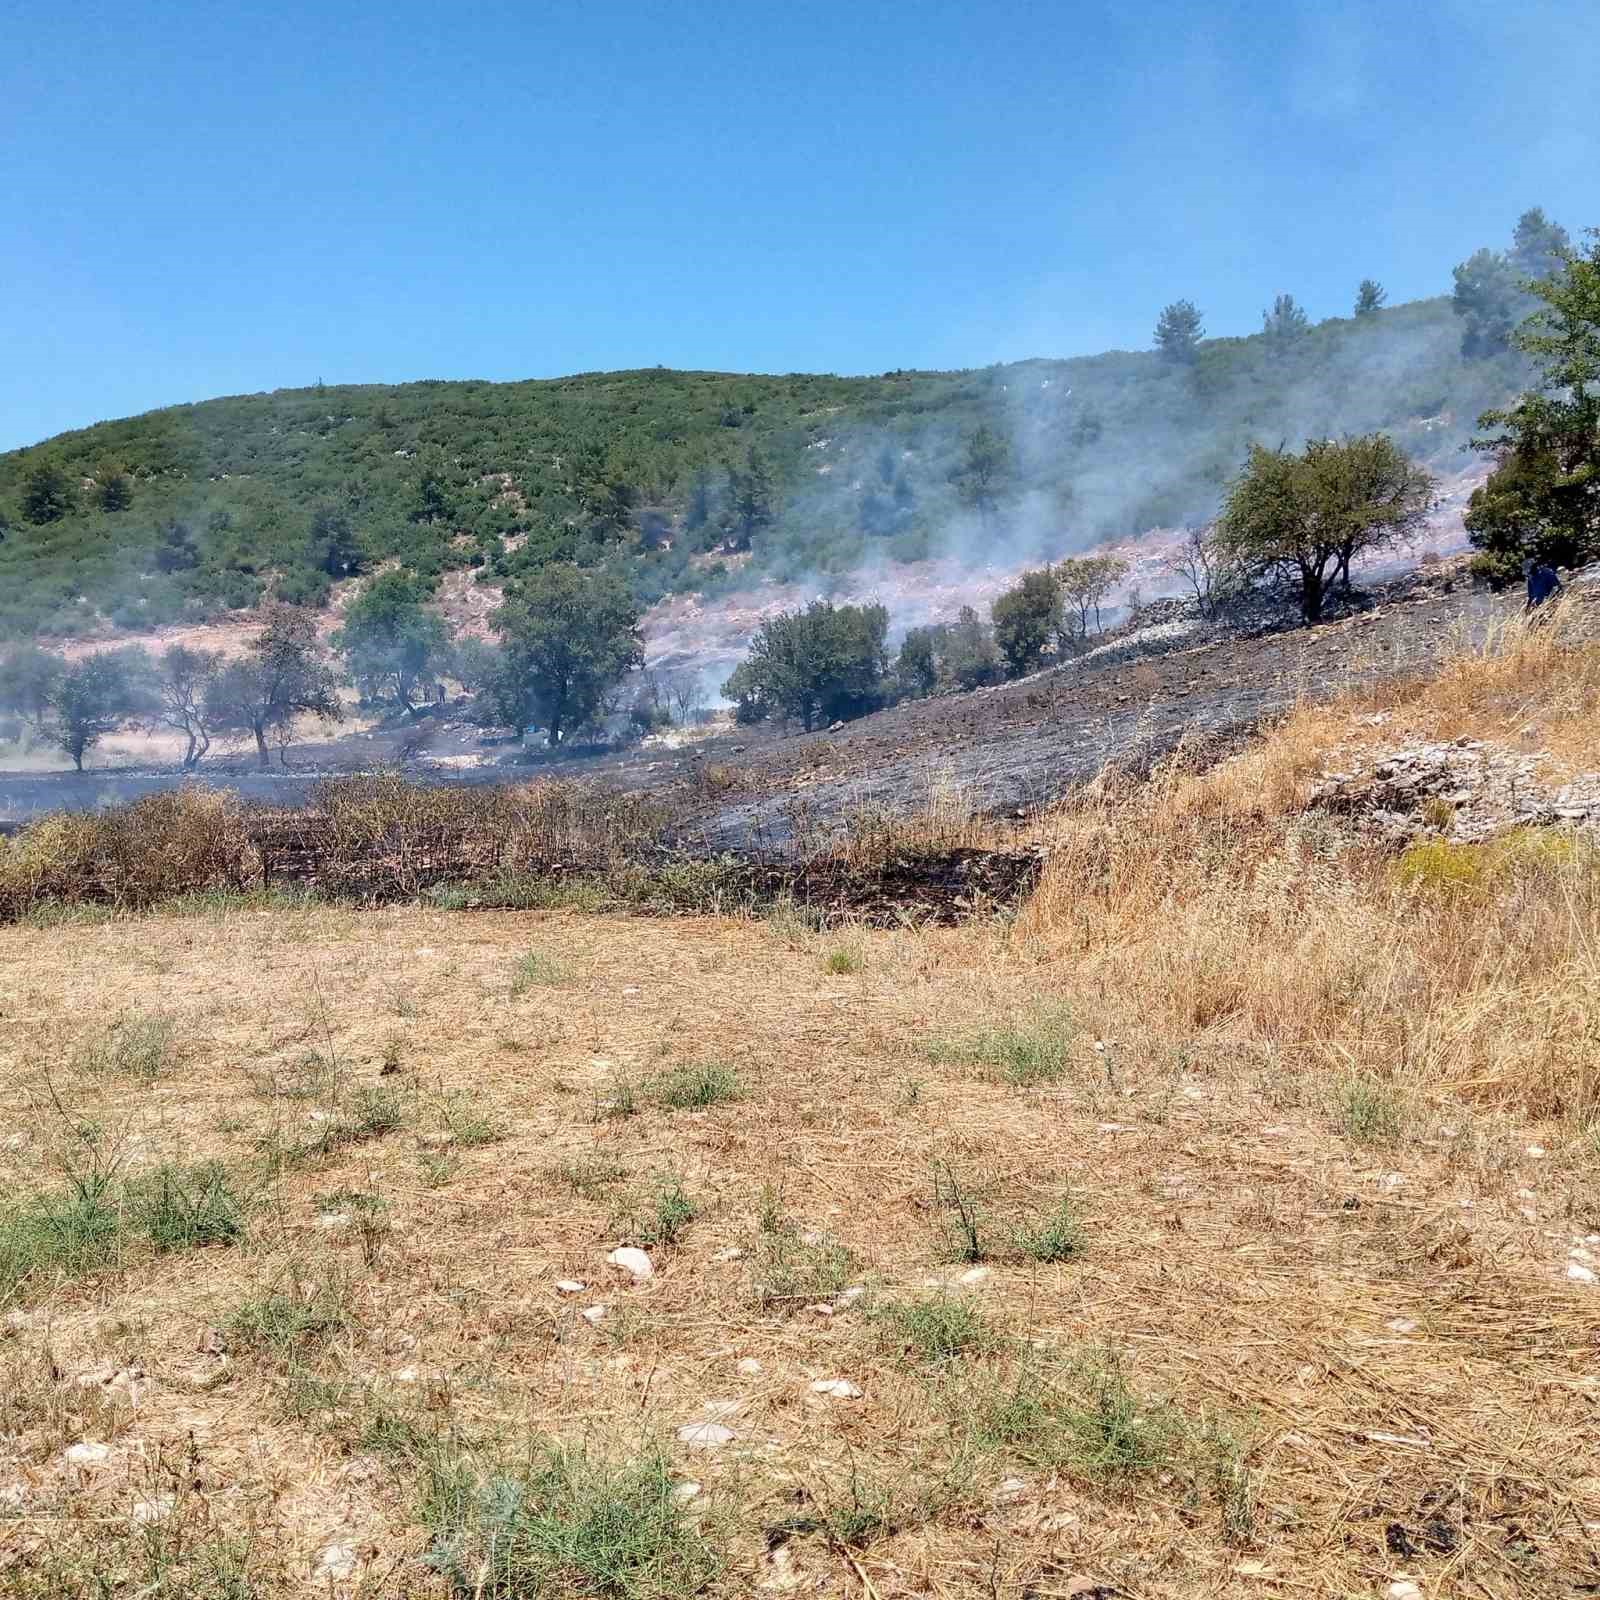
698 1085
656 1218
1369 1110
188 1209
535 970
788 1267
1022 1054
566 1520
1057 1237
938 1329
136 1045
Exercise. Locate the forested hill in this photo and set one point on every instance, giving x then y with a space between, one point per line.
670 475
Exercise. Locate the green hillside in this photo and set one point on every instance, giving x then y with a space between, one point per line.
198 508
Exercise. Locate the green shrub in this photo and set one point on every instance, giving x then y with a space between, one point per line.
692 1088
187 1210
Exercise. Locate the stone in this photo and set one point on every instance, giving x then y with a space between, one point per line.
705 1435
570 1286
632 1260
855 1292
152 1508
86 1453
1580 1274
973 1276
732 1253
749 1367
683 1493
836 1389
336 1564
1403 1589
593 1314
820 1309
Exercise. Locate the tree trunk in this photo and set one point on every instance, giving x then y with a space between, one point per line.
189 756
261 748
1311 594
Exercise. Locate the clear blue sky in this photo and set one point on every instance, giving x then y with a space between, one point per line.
207 198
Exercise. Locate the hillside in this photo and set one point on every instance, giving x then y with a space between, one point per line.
183 513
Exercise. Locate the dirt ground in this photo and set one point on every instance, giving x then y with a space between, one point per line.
1379 1366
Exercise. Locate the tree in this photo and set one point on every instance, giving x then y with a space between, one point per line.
749 504
698 511
113 489
1201 566
1085 583
967 654
1286 323
1027 617
916 668
1370 296
1543 498
1487 300
176 550
1303 518
1178 332
284 676
432 501
28 677
473 663
89 699
46 494
820 665
1539 247
332 545
985 468
181 689
569 637
390 640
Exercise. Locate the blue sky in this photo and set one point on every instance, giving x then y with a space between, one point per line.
215 198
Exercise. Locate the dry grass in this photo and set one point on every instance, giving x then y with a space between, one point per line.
1275 1163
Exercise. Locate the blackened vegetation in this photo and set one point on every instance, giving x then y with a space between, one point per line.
380 840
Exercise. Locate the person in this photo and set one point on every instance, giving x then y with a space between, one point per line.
1543 584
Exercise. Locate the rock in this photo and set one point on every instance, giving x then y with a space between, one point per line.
732 1253
1401 1325
686 1491
820 1309
1537 1152
1580 1274
836 1389
593 1314
848 1297
336 1564
750 1367
570 1286
152 1508
1403 1589
86 1453
1010 1489
973 1276
630 1259
705 1435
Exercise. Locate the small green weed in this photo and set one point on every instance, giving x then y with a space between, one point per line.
188 1210
842 962
794 1268
658 1219
590 1175
938 1329
537 970
1023 1055
963 1219
134 1046
292 1320
692 1088
1369 1109
1058 1237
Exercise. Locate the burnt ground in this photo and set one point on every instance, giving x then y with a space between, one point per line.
1006 749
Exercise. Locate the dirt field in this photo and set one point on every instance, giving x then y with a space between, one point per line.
1225 1222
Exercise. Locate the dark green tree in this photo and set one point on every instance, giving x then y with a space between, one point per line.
968 658
432 502
391 642
1370 296
285 675
1539 247
46 494
1179 332
748 507
1303 518
1543 498
28 677
698 511
181 686
983 476
91 698
820 665
1286 323
332 545
569 637
916 668
1086 582
176 550
1488 299
113 489
1027 618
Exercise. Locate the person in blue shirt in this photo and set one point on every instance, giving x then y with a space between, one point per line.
1543 584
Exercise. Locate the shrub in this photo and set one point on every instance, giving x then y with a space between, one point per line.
181 1210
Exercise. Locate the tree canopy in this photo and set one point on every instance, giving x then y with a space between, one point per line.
815 666
285 675
1179 332
1303 518
390 640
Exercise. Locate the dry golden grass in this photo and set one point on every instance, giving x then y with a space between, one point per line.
1322 1140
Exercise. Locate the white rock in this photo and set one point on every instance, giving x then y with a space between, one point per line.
1537 1152
750 1367
336 1564
86 1453
704 1435
334 1219
1580 1274
593 1314
153 1508
732 1253
849 1296
1011 1488
820 1309
570 1286
1403 1589
975 1275
1525 1194
633 1261
686 1491
1401 1325
406 1375
836 1388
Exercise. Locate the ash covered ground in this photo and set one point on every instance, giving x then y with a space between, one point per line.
1004 750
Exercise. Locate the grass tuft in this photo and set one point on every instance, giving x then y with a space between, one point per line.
1022 1054
693 1087
939 1329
